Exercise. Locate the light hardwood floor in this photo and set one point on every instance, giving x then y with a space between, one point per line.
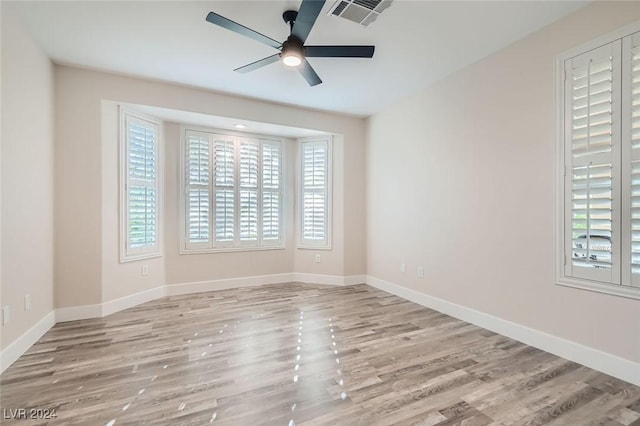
302 354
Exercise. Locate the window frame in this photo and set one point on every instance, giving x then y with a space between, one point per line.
562 211
302 243
126 254
237 245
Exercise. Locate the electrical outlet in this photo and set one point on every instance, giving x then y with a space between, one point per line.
403 267
317 258
145 269
27 302
6 313
420 272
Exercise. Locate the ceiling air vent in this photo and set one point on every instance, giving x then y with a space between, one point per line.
362 12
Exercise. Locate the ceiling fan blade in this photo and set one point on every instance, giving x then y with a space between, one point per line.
216 19
258 64
307 15
309 73
339 51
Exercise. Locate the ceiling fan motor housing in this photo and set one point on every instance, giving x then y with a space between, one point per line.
293 45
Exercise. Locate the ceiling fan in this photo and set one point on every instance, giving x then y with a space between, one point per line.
293 52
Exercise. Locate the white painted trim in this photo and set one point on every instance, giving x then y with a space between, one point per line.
610 289
354 279
329 279
19 346
224 284
74 313
132 300
621 368
318 279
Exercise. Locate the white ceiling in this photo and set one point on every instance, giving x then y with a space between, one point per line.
417 44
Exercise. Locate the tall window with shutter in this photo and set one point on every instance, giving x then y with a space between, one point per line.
198 190
631 156
249 171
592 144
140 190
232 192
601 157
271 192
224 190
315 197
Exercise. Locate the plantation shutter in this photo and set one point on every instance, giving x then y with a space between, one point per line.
141 186
592 90
224 190
631 133
198 202
315 164
249 181
271 192
232 192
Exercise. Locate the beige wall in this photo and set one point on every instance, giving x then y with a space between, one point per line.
86 128
27 179
461 181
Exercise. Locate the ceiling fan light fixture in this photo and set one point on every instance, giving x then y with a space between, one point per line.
292 52
291 59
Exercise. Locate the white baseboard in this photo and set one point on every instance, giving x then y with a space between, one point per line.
593 358
74 313
225 284
354 279
132 300
329 279
19 346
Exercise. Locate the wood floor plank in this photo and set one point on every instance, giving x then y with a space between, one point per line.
287 354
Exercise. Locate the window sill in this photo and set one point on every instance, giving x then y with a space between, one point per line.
308 247
230 249
610 289
137 257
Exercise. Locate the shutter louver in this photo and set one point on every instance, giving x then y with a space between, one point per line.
591 174
248 191
198 190
314 208
224 192
142 213
314 197
142 152
142 187
198 205
271 192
